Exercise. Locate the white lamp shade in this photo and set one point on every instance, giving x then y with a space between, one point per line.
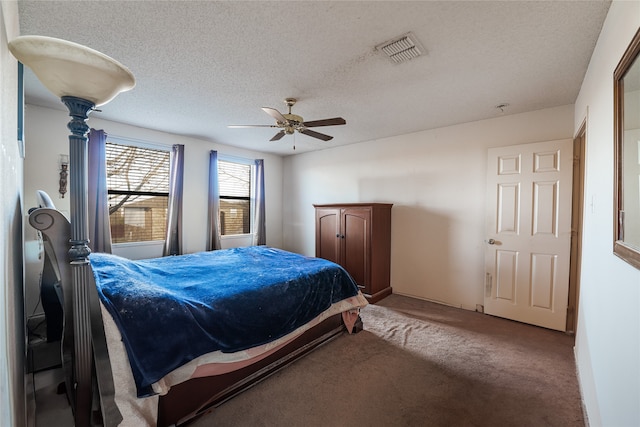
70 69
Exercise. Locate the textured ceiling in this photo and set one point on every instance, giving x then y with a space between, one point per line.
201 66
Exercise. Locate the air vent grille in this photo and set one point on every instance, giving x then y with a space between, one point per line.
402 48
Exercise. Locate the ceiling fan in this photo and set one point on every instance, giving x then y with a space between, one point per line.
289 123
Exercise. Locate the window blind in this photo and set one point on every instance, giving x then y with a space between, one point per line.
138 192
136 169
234 180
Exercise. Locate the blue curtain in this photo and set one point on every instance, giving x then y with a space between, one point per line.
213 231
260 236
173 240
99 227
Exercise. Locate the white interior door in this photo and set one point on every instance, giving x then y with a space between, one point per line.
528 232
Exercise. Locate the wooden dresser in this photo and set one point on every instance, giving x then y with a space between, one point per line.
358 237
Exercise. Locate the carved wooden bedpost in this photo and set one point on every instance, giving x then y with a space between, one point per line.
82 78
79 110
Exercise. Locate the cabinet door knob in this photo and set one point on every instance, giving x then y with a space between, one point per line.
342 236
337 235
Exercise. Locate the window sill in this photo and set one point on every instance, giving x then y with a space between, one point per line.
236 240
139 250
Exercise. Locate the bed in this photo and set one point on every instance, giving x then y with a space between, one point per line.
108 380
167 344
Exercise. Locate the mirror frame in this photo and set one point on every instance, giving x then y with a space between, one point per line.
620 248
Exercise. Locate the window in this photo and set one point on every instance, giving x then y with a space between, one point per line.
138 192
235 197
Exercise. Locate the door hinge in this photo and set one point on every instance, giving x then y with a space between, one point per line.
487 284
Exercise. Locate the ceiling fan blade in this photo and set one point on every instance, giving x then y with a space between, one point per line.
251 126
326 122
277 136
315 134
275 114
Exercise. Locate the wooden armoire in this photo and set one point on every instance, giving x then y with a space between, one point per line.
357 236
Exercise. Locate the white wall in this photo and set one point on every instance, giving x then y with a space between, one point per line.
436 181
47 138
608 336
12 327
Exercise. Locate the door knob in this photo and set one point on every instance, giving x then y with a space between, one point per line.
491 241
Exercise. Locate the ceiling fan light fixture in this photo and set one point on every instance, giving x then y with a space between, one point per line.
289 123
402 48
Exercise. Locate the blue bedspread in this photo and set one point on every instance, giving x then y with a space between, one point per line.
171 310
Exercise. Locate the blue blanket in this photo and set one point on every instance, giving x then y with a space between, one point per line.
171 310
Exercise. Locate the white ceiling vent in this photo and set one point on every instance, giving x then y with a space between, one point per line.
402 48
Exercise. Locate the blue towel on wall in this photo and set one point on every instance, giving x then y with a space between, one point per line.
171 310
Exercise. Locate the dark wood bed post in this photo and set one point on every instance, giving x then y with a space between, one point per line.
79 110
67 68
90 354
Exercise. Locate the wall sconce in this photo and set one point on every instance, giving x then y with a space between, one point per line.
64 173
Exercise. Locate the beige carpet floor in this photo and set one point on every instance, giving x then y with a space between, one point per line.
420 364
